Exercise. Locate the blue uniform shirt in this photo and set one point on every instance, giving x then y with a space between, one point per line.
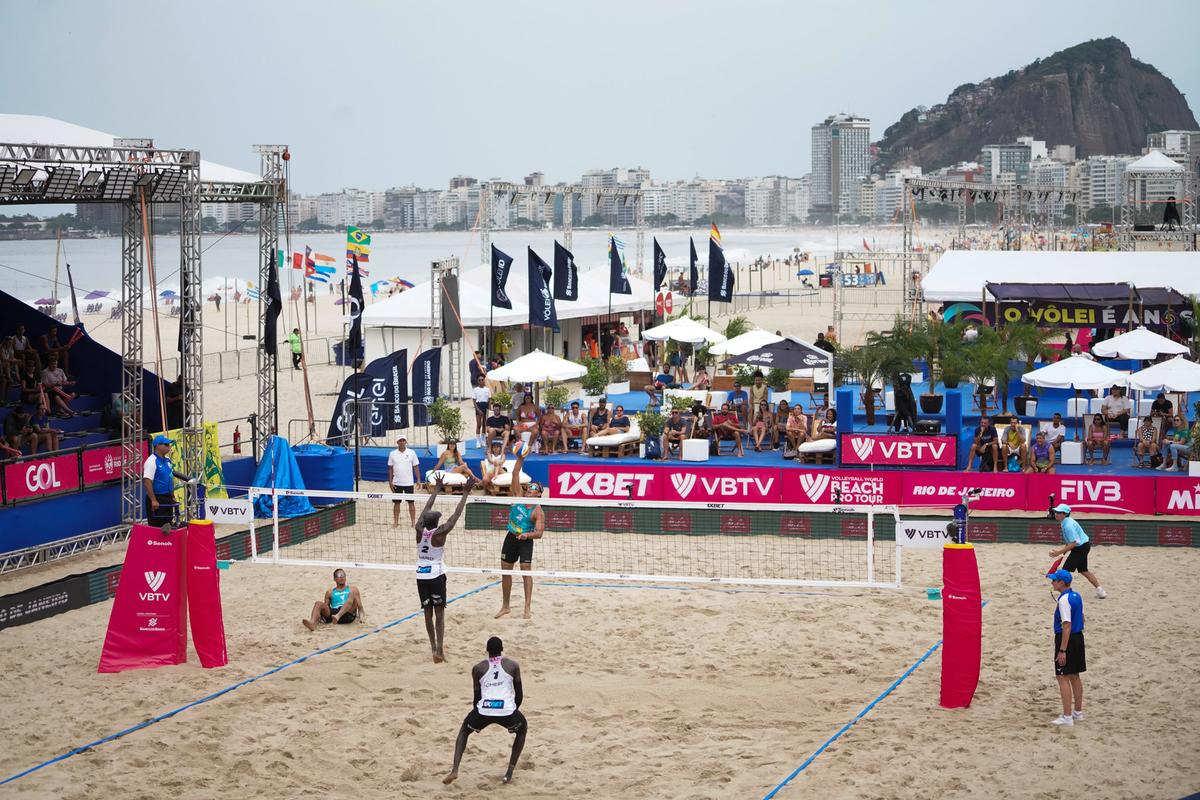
1072 532
163 476
1070 607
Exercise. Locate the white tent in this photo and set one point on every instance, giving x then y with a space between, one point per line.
536 367
413 308
1154 161
960 275
1138 343
744 343
683 329
1077 373
1175 375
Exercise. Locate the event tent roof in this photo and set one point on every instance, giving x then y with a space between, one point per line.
961 275
1096 293
1154 161
31 129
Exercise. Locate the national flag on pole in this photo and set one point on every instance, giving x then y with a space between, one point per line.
324 259
358 243
720 276
618 281
694 274
866 246
322 273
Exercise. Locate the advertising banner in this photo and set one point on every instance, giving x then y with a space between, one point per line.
1177 496
103 464
147 626
1081 315
923 534
885 450
228 512
962 626
204 595
827 487
723 485
213 476
41 477
605 482
1110 494
999 491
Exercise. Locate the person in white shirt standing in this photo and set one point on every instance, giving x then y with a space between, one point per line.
482 396
497 700
404 470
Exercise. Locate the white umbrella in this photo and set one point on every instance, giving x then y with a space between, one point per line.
683 329
744 343
1139 343
1175 375
536 367
1076 373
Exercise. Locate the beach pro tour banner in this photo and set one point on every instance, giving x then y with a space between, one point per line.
885 450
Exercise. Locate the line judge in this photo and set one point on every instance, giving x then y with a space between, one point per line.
158 478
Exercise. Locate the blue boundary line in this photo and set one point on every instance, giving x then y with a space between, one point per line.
230 688
856 718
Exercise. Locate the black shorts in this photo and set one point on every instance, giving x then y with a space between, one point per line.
1076 658
402 490
432 591
481 407
515 550
513 723
1077 558
345 619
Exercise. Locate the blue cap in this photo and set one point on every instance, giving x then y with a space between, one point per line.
1062 507
1060 575
162 439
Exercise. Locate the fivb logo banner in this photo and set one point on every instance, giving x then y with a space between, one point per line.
826 488
1110 494
883 450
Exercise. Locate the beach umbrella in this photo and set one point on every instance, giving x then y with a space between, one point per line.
537 367
788 353
683 329
46 301
804 272
1175 375
1139 343
750 340
1076 372
404 283
97 294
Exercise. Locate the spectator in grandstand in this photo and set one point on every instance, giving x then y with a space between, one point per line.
796 429
24 348
827 428
739 400
1162 407
10 374
482 396
51 346
574 426
32 393
46 437
1041 455
701 424
674 432
174 402
984 444
762 424
649 353
823 343
1057 434
618 424
1177 443
452 461
404 471
1147 444
492 464
725 427
498 425
779 429
56 385
18 431
1097 437
598 417
702 382
1015 450
550 429
678 363
759 391
662 380
1117 408
342 605
527 420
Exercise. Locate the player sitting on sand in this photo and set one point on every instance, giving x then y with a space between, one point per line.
526 522
342 604
498 695
431 569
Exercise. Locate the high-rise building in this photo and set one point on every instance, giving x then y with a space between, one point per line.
841 157
1009 163
1181 146
1100 180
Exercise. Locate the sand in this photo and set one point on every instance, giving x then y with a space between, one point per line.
632 692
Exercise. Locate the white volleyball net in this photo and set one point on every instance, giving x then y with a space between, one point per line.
846 546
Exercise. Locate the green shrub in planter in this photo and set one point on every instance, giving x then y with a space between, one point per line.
616 369
449 423
744 373
503 397
596 378
555 397
651 423
681 402
436 409
777 379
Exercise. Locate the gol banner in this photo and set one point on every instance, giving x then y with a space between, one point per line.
214 478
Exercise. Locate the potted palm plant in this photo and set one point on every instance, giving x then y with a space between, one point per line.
872 363
1027 343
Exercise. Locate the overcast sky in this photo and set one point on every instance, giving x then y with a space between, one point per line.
378 94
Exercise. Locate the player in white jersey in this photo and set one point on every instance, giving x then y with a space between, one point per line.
497 700
431 567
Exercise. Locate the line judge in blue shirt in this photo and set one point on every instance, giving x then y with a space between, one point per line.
158 476
1076 546
1069 656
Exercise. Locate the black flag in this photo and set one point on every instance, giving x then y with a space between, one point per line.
566 276
354 344
274 307
720 276
660 265
74 304
426 377
541 302
451 317
501 264
359 392
390 391
694 276
617 282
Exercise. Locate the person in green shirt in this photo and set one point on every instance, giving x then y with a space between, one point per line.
297 348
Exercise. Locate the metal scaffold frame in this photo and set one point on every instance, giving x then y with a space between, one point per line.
1128 237
272 159
546 194
437 272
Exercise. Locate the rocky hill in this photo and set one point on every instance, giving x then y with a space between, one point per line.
1095 95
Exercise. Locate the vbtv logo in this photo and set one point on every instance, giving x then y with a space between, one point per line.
155 581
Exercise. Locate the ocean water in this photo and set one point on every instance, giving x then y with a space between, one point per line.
27 267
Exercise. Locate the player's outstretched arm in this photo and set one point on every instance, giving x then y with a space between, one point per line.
449 524
433 493
514 487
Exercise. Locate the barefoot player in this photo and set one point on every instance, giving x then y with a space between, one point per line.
526 522
341 606
431 569
498 695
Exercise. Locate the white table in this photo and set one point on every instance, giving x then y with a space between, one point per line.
695 450
1072 452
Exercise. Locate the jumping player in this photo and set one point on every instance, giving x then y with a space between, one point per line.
431 569
498 695
526 522
341 606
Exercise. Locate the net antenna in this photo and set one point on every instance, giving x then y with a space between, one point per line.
758 544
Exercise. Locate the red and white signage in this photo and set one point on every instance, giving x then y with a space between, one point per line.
1177 495
574 482
103 464
722 485
1108 494
668 304
40 478
887 450
827 487
999 491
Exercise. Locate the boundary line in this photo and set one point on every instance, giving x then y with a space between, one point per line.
553 582
231 687
855 719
